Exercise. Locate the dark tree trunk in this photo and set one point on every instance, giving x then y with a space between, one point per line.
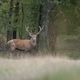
9 35
9 28
44 21
16 18
16 11
22 26
14 33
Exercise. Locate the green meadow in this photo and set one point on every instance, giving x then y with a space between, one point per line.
39 68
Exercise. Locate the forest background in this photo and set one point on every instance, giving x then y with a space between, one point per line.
60 18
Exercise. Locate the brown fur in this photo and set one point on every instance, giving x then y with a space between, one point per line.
20 44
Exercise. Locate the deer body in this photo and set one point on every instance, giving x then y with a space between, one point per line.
25 44
21 44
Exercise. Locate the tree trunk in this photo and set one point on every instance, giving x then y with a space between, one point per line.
22 21
16 17
16 11
9 29
52 30
44 21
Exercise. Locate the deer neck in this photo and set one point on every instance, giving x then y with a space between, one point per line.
33 42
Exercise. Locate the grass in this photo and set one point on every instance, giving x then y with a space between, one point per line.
39 68
72 74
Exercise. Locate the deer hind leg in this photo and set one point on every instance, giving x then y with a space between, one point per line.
12 49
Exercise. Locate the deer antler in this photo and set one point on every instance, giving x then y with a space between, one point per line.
40 30
27 29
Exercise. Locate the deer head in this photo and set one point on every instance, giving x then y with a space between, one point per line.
32 35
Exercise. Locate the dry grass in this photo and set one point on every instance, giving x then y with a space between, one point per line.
30 68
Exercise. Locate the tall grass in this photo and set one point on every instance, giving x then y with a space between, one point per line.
39 68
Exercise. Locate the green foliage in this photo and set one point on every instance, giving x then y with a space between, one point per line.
67 16
3 16
70 8
32 14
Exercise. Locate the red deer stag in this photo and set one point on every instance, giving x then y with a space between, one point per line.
24 44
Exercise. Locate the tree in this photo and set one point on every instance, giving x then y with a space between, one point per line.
16 17
9 28
45 9
13 19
